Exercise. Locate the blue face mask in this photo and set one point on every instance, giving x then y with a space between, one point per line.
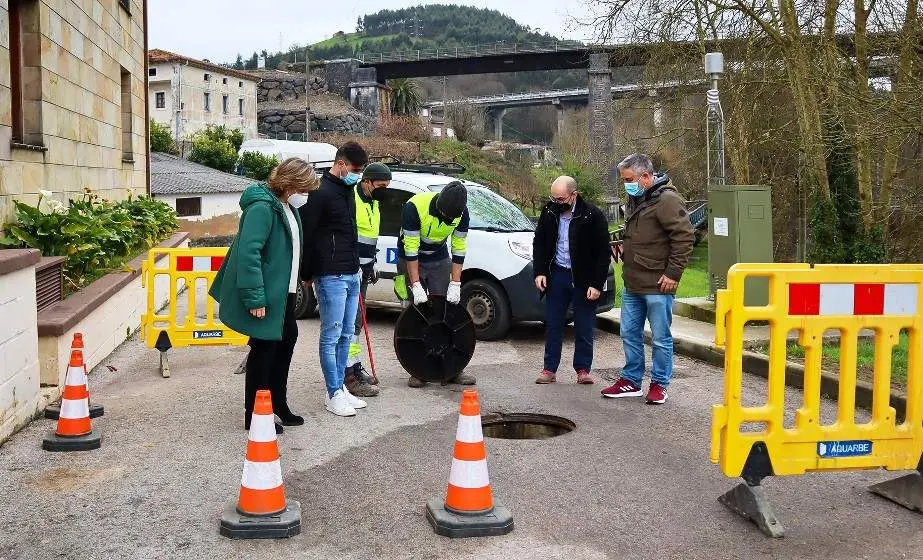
352 178
633 189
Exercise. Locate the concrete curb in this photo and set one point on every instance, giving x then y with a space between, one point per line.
758 364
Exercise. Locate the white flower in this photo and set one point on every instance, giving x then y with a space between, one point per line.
46 194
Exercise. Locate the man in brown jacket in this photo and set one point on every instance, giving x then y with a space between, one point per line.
657 244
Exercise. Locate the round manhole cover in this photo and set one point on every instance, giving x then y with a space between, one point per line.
525 426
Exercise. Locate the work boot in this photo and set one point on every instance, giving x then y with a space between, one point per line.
464 379
546 377
364 375
584 377
415 383
357 385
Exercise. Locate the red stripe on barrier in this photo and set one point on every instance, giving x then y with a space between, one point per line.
216 263
869 299
804 299
184 264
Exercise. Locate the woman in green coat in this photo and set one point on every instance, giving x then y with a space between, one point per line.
257 282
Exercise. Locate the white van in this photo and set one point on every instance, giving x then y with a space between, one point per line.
320 154
498 285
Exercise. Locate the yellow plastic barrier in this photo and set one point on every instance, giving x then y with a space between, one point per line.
190 273
754 442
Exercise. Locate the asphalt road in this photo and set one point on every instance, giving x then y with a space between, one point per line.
632 481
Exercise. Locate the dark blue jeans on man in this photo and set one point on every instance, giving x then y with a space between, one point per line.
560 296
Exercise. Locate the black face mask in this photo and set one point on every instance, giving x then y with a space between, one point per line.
560 207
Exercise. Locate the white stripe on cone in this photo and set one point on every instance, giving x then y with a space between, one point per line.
469 429
74 410
262 476
262 428
469 474
900 299
76 377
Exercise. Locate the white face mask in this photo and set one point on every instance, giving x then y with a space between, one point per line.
298 200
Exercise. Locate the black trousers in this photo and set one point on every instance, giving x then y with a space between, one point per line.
269 361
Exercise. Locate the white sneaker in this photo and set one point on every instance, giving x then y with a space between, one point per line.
339 404
353 400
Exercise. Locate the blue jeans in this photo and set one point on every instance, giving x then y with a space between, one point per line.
561 295
338 300
658 310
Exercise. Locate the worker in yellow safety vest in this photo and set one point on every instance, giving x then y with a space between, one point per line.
369 192
424 262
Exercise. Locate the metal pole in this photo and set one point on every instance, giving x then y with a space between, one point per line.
307 100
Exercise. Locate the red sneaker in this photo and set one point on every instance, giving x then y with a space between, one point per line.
584 378
546 377
656 394
622 388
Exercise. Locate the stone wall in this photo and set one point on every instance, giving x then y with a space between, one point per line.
275 122
83 66
287 87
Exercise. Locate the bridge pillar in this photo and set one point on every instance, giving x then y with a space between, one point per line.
367 95
495 116
600 110
561 116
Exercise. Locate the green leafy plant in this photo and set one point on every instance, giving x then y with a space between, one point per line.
214 147
256 165
94 235
406 96
162 139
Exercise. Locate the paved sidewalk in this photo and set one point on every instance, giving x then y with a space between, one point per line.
632 481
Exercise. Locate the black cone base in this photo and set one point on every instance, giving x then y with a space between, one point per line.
448 524
236 525
55 442
53 410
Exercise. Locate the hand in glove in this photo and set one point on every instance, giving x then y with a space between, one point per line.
454 293
419 294
370 272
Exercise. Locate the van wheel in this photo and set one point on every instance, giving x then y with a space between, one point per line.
305 302
489 308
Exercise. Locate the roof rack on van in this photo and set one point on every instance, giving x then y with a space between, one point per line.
435 168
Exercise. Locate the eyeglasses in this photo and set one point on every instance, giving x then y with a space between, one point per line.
560 200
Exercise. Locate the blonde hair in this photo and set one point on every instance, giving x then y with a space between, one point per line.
292 174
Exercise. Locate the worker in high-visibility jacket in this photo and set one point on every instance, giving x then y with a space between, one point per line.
428 221
375 179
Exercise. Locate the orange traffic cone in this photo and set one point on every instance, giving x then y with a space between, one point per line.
96 410
261 511
469 509
74 432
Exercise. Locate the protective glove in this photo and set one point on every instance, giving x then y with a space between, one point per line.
370 273
419 294
454 294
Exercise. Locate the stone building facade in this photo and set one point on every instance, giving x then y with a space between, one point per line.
72 99
186 95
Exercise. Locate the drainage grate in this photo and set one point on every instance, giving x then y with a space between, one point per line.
525 426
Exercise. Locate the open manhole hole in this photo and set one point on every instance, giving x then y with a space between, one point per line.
525 426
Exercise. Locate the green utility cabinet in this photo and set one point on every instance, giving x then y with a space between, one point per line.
739 230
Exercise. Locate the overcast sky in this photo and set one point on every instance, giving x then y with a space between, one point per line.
219 29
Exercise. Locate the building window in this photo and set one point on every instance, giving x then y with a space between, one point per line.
224 81
128 153
240 107
208 101
25 74
208 77
126 5
187 207
161 98
240 84
152 72
224 104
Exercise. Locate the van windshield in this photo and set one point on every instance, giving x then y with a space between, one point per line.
491 212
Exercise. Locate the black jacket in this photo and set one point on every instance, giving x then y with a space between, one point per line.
330 233
589 244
